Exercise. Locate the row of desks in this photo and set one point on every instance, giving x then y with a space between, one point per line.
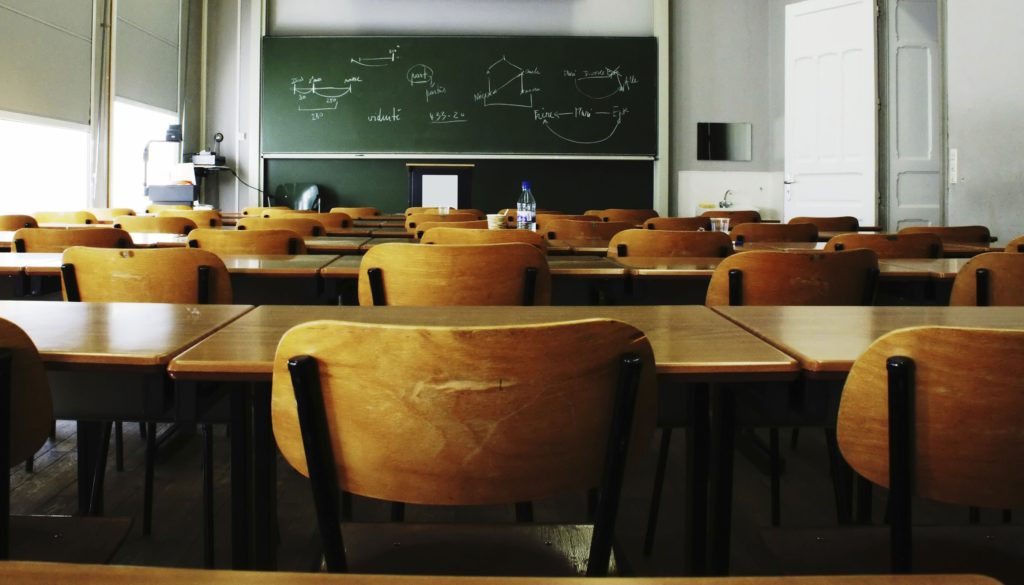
693 344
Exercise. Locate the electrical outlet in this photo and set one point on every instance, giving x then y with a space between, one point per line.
953 170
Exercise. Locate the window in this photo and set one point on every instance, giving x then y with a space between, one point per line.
44 165
134 125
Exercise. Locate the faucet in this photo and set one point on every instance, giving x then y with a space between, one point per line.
725 203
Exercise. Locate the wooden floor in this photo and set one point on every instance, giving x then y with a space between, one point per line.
176 539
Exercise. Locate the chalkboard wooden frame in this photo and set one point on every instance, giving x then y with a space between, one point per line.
516 96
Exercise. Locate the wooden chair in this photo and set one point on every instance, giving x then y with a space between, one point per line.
679 224
774 232
447 235
990 279
735 217
1016 245
961 234
844 223
107 214
413 221
259 211
155 208
10 223
463 225
669 243
340 221
203 217
935 412
69 217
633 216
302 225
544 219
58 240
231 242
492 274
889 245
357 212
570 229
452 210
444 421
26 413
154 225
160 275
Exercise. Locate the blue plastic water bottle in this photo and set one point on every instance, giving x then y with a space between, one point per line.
526 209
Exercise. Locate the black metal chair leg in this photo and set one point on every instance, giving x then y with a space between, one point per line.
659 481
794 438
773 459
524 511
119 446
30 464
208 559
147 492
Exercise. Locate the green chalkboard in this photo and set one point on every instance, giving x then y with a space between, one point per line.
464 95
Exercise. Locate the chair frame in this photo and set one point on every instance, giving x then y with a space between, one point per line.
67 272
305 377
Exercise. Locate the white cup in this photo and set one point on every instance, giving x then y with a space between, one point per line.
443 210
495 221
720 224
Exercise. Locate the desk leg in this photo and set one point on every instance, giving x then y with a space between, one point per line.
697 464
723 413
240 408
88 439
265 481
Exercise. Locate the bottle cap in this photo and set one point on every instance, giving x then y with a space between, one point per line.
526 185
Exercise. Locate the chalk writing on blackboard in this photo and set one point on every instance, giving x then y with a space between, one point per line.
507 85
391 57
590 119
319 98
421 74
602 83
447 117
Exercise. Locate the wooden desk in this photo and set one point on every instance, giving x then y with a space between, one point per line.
691 344
392 232
783 246
669 267
335 245
936 268
28 573
597 247
352 232
264 265
347 267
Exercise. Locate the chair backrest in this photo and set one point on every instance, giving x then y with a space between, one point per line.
1016 245
544 219
461 428
413 221
961 234
774 232
232 242
203 217
10 223
159 275
357 212
155 208
935 412
679 224
794 278
30 403
58 240
990 279
735 217
476 224
70 217
634 216
669 243
154 224
571 229
259 211
436 211
889 245
329 220
303 225
492 274
446 236
843 223
105 214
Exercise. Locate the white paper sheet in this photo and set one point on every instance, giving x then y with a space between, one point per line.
440 191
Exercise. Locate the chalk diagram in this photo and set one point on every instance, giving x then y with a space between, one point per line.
582 119
421 74
506 86
391 57
604 83
318 98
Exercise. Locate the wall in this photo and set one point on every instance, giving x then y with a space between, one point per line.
985 41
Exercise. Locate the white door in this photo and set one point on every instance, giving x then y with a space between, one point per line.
915 115
830 109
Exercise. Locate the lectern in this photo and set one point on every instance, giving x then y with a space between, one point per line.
440 185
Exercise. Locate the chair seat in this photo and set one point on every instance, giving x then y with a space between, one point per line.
67 539
469 549
995 550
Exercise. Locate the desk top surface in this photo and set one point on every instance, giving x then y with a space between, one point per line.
31 573
581 266
830 339
687 340
140 335
48 264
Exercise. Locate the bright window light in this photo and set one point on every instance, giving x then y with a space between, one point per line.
134 125
44 165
